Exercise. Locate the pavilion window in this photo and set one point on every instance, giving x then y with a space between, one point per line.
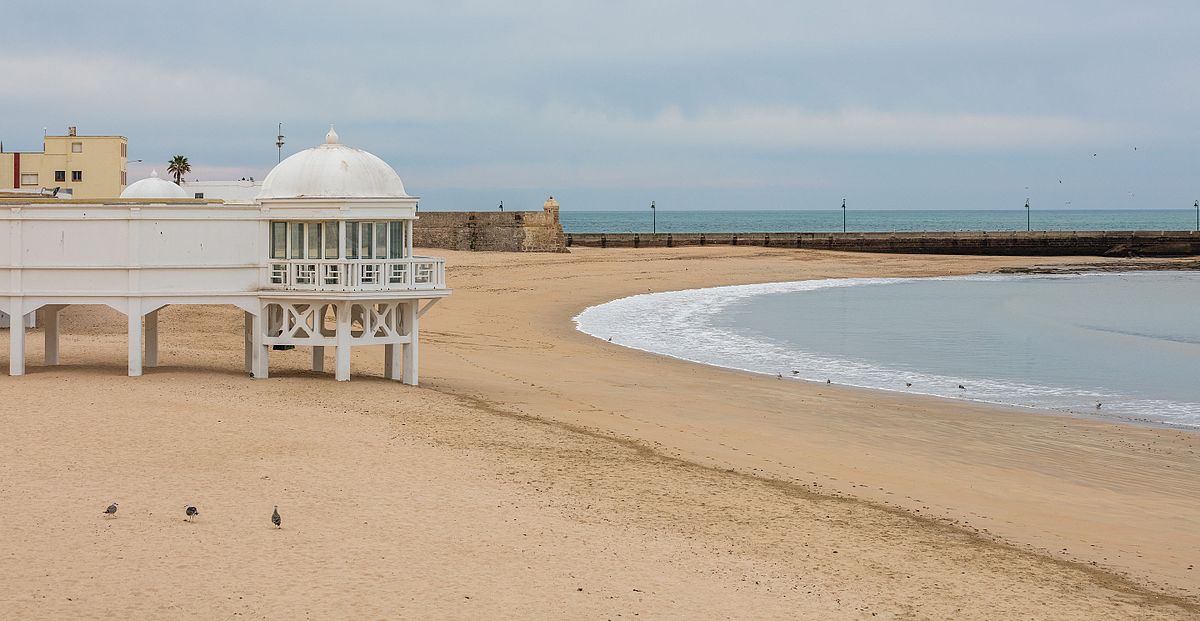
351 240
365 236
314 240
381 240
331 240
396 239
296 241
278 240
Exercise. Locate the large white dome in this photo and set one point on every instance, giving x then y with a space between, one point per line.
332 170
153 187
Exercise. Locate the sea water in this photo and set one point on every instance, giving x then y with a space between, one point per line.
1129 342
806 221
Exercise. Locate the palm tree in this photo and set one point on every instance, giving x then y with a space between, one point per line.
179 166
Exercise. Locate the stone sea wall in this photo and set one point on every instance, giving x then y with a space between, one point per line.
1035 243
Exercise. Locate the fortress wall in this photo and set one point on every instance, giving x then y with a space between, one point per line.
503 231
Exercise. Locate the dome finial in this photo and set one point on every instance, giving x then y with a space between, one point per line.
331 137
154 173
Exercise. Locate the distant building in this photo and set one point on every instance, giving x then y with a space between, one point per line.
228 191
88 166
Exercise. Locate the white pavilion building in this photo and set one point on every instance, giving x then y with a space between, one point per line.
321 258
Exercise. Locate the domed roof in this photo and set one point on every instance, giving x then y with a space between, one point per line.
153 187
332 170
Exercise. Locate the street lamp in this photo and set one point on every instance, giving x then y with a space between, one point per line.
1028 224
653 219
1197 206
843 215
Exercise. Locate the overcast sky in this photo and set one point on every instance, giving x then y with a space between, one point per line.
609 105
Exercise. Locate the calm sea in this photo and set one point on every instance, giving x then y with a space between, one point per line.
1128 341
667 221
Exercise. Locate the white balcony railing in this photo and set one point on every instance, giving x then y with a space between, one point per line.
357 274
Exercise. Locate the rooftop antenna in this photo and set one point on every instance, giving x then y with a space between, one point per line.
279 144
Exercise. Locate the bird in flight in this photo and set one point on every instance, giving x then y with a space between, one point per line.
111 510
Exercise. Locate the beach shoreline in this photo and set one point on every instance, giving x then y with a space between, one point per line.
539 471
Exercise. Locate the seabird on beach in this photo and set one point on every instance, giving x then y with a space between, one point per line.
961 387
191 512
828 382
275 517
908 384
794 372
1097 405
111 510
779 376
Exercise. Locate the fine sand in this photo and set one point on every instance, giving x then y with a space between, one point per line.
542 473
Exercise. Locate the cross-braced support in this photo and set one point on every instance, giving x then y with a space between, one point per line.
342 325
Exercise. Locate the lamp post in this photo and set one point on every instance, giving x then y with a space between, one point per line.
1028 223
1197 206
843 215
653 219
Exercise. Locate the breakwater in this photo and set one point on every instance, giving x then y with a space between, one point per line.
1020 243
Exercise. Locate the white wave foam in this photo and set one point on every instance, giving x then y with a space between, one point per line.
679 324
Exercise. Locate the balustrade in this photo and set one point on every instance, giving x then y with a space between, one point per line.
357 274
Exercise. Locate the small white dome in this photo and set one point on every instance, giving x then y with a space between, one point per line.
153 187
332 170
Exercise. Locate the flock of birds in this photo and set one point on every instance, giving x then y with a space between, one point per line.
190 512
906 385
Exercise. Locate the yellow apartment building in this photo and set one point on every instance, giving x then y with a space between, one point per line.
89 166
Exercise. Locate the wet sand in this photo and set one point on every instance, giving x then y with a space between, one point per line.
541 472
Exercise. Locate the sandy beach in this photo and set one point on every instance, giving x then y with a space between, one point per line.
542 473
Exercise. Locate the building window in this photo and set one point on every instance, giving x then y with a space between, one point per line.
76 147
199 194
123 147
60 175
331 240
279 240
396 242
123 178
303 240
29 179
76 175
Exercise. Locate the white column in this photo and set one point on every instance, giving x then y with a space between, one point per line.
259 350
247 327
16 337
318 358
343 342
410 348
50 328
408 237
135 338
152 339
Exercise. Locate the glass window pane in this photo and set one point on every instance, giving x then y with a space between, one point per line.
296 243
351 240
381 240
396 241
365 236
314 240
278 240
331 240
